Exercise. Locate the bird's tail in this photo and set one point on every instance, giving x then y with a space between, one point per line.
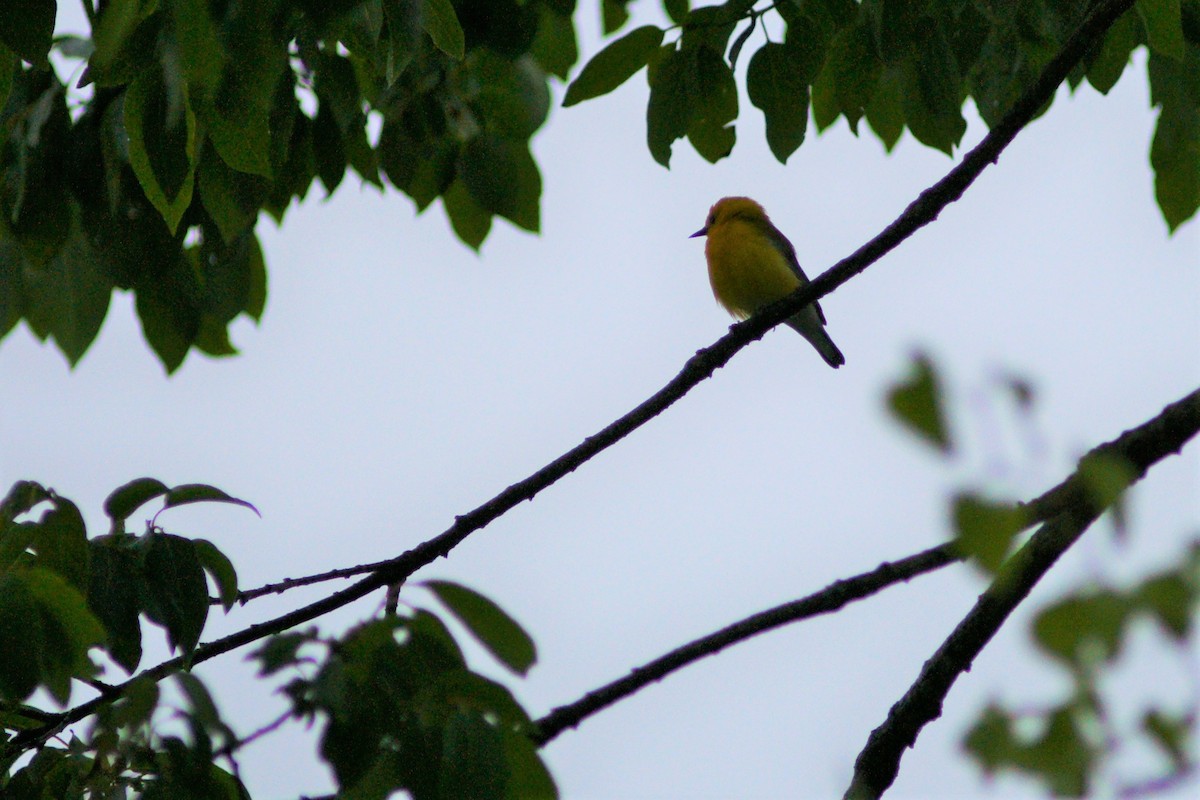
810 327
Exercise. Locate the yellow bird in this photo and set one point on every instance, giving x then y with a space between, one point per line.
751 265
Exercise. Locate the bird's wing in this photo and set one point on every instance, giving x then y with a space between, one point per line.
781 243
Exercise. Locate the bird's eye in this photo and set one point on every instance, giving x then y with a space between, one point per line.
712 218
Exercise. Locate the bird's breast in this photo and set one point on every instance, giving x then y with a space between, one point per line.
745 269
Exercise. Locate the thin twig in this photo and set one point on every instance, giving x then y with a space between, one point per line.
877 765
830 599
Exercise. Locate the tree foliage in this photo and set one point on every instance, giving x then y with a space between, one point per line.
182 120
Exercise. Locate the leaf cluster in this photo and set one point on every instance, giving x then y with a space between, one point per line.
197 115
898 64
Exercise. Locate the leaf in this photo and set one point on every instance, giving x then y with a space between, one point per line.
27 26
853 73
202 493
69 630
1163 22
503 637
220 569
8 66
615 64
20 639
162 145
471 221
61 543
1104 477
503 178
513 96
1169 599
917 404
555 46
672 104
984 530
114 585
932 98
716 106
614 14
441 23
200 53
1171 734
118 19
21 497
176 591
124 500
528 778
168 306
885 111
281 650
1083 629
1114 53
1175 151
777 85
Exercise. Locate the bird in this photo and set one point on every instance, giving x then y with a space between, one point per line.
751 264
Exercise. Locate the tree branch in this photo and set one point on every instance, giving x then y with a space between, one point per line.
879 762
829 599
698 368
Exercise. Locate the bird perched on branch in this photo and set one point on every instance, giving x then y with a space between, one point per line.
751 265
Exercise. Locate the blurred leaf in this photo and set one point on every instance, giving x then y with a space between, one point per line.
441 23
202 493
201 56
853 73
168 304
1175 151
777 85
472 763
614 14
1114 53
1164 26
118 19
1104 477
162 145
716 106
21 497
68 630
932 99
176 590
885 111
672 103
502 177
1083 629
503 637
1060 758
677 10
1169 598
27 26
984 530
21 639
471 221
555 46
126 499
528 778
114 587
61 543
281 650
615 64
221 569
917 404
1171 734
513 95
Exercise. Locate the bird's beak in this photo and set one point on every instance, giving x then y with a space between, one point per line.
702 232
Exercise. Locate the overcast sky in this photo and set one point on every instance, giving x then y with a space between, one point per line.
399 379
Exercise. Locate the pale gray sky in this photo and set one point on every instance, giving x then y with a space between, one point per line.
398 379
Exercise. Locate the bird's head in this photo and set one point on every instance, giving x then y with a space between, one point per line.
728 209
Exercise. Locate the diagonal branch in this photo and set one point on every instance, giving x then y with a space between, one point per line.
698 368
830 599
879 762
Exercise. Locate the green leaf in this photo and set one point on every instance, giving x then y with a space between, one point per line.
118 19
162 144
417 154
1114 53
932 98
513 96
20 639
615 64
984 530
114 587
853 71
777 85
201 56
126 499
555 47
672 103
27 26
220 569
1171 734
503 178
1169 599
21 497
885 111
1163 22
281 650
472 763
202 493
1175 151
710 131
61 543
528 778
677 10
471 221
329 148
169 307
176 590
441 23
495 630
68 299
614 14
1104 477
917 404
8 66
69 630
1083 629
